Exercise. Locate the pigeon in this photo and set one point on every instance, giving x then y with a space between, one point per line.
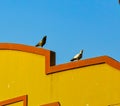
77 56
42 42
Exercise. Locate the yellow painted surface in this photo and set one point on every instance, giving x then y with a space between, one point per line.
96 85
23 73
16 104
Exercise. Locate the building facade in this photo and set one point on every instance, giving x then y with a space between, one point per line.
30 77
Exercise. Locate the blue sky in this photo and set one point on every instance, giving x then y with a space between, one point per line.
70 25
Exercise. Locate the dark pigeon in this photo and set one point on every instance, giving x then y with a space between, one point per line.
42 42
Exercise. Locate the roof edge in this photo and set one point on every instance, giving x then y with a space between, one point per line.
49 55
83 63
50 58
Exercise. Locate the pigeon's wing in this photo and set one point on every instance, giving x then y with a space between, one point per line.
80 56
42 43
76 56
39 43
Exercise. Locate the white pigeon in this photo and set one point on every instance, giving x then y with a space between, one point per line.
77 56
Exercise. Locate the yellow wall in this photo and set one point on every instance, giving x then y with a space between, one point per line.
90 86
23 73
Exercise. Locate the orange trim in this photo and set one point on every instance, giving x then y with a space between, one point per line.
84 63
15 100
52 104
49 55
50 66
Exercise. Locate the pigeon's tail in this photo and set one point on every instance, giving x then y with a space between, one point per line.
37 45
72 59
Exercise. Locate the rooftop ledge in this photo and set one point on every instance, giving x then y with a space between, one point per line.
50 58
